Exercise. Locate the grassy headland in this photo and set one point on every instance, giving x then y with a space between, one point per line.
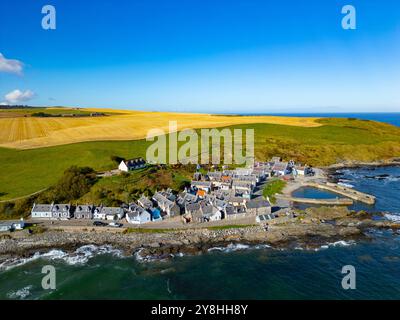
23 172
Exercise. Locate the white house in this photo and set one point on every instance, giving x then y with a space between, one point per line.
133 164
42 210
203 185
137 215
108 213
12 225
299 171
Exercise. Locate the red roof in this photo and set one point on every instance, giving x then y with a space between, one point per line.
201 193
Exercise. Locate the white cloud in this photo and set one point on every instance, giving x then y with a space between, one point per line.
19 96
10 65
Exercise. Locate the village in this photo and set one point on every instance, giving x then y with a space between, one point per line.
226 195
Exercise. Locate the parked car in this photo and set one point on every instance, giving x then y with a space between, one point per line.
100 224
115 225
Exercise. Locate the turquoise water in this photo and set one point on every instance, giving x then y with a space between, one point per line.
312 193
234 272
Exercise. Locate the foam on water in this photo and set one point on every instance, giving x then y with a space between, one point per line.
80 256
392 217
20 294
340 243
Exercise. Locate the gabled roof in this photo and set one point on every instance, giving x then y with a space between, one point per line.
161 199
255 204
109 210
201 183
61 207
244 184
42 207
230 209
280 166
134 162
193 206
84 208
208 209
145 202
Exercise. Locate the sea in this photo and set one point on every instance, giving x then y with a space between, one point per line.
391 118
236 271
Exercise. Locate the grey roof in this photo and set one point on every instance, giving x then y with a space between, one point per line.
110 210
135 162
224 194
208 210
145 202
168 194
193 206
201 183
162 199
136 210
235 199
6 223
186 198
255 204
61 207
230 209
250 178
84 208
42 208
215 175
280 166
242 171
243 184
133 207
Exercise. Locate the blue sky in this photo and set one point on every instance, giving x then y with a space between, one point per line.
204 56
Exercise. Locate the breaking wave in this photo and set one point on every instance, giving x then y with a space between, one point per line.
20 294
392 217
80 256
237 246
340 243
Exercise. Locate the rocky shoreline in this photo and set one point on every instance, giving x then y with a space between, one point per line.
359 164
308 229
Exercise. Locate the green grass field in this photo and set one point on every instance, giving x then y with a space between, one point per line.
23 172
272 188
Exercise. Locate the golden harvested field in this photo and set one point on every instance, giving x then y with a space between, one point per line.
34 132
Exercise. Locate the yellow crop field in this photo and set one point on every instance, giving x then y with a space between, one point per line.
26 132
